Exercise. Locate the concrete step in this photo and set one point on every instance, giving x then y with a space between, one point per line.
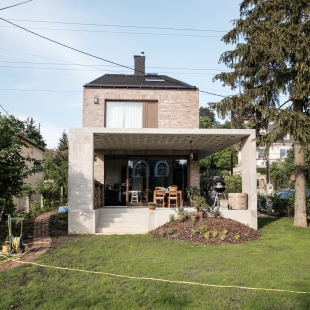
123 224
122 221
120 231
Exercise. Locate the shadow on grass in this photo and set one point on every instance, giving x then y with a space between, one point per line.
262 222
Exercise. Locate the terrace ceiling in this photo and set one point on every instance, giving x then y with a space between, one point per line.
208 141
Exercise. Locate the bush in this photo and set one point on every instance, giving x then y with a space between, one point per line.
233 183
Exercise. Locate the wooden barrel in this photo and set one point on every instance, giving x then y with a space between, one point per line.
238 201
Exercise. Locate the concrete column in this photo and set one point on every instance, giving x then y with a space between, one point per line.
249 185
81 181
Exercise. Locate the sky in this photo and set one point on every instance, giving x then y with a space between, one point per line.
44 80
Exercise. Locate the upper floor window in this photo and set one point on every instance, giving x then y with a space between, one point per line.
283 153
131 114
123 114
260 153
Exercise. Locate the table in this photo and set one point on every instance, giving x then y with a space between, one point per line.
180 199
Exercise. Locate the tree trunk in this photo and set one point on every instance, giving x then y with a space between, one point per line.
300 218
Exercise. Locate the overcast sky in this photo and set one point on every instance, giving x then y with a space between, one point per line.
43 80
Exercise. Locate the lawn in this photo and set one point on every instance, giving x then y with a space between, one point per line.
278 260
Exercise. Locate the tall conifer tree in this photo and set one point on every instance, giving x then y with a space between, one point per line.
272 58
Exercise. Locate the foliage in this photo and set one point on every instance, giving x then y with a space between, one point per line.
217 214
261 170
55 174
14 166
233 183
63 143
33 133
207 118
271 58
215 233
171 217
220 160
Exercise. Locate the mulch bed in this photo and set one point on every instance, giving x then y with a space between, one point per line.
228 231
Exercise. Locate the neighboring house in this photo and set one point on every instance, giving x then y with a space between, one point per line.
141 131
35 152
277 151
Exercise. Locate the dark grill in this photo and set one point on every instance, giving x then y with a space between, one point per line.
219 186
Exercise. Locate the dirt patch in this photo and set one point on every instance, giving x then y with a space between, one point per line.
206 231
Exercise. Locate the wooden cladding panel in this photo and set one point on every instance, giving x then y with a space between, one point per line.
150 114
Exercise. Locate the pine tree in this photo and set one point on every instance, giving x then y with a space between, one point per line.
63 142
272 58
33 133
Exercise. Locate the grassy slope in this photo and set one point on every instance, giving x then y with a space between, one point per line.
279 259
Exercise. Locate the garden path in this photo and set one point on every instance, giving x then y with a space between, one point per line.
40 244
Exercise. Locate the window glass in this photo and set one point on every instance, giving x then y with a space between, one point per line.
283 153
260 153
123 114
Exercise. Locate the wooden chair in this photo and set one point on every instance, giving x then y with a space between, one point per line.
173 186
134 196
160 197
172 197
159 188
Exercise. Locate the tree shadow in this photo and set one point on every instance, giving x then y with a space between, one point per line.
264 221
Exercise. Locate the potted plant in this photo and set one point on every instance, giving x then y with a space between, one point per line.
201 206
192 192
152 205
194 216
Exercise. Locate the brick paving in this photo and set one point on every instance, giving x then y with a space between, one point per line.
40 244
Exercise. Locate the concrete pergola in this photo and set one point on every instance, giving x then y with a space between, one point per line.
83 142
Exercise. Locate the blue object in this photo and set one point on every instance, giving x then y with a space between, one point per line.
62 209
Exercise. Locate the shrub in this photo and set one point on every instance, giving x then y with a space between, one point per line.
162 233
233 183
215 233
225 232
207 235
195 232
203 229
171 217
222 237
171 231
237 236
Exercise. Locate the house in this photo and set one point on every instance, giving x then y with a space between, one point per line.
37 153
141 131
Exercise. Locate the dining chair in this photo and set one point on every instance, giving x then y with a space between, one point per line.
173 186
160 197
134 196
160 188
172 197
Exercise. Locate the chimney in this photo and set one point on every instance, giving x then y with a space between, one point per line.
140 64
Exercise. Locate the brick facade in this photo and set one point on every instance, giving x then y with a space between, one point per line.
176 108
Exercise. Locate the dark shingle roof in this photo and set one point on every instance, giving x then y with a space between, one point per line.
149 81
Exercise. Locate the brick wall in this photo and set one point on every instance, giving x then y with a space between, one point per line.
176 108
194 173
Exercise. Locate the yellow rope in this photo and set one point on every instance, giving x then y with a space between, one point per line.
164 280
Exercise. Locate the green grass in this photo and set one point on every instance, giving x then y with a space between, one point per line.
277 260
